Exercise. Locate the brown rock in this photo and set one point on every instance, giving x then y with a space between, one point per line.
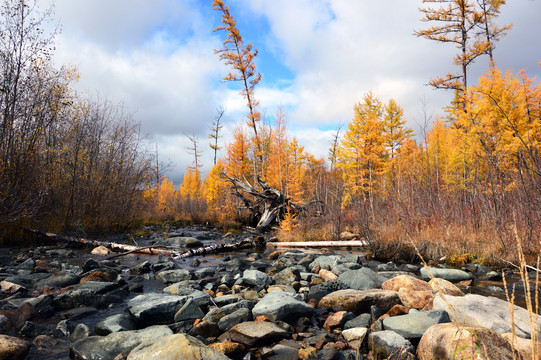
12 348
327 275
44 342
312 302
337 319
262 318
398 310
228 348
346 235
448 341
100 276
17 317
407 282
464 283
274 255
415 299
445 287
210 292
359 301
316 280
100 250
309 352
255 333
316 269
523 346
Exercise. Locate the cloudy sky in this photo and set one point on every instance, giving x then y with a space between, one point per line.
317 57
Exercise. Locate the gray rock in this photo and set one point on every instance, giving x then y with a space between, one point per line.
28 264
115 323
453 275
490 312
215 314
325 260
362 279
493 276
228 321
81 331
108 347
174 276
362 320
177 346
60 281
30 329
227 299
278 305
141 268
151 309
413 326
390 345
256 278
281 352
205 272
287 276
184 241
189 311
256 333
359 301
320 290
341 268
43 303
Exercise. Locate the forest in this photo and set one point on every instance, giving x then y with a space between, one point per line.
466 187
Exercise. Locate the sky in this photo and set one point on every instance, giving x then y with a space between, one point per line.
317 59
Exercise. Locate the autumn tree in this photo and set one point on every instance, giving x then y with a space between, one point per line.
238 162
241 58
455 22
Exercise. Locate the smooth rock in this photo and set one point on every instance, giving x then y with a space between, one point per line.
175 347
359 301
256 333
445 287
189 242
449 341
108 347
523 346
362 320
282 306
174 276
325 260
12 348
60 281
361 279
152 308
415 299
454 275
405 282
485 311
81 331
100 250
385 344
415 324
355 336
115 323
281 352
328 275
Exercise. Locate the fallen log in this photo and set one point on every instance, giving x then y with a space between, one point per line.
315 244
155 250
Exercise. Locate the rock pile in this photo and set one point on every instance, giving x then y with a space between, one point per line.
287 305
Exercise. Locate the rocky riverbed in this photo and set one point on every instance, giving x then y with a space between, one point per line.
275 304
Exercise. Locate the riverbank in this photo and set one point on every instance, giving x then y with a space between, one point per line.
269 303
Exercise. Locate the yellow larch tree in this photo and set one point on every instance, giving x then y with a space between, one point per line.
238 163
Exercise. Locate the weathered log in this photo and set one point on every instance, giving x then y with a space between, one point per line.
155 250
316 244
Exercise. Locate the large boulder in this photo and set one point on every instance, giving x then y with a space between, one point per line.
454 275
278 305
490 312
415 324
108 347
361 279
415 299
449 341
256 333
406 282
183 241
152 309
445 287
256 278
173 347
13 348
359 301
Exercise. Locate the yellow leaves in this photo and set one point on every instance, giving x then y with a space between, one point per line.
190 189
